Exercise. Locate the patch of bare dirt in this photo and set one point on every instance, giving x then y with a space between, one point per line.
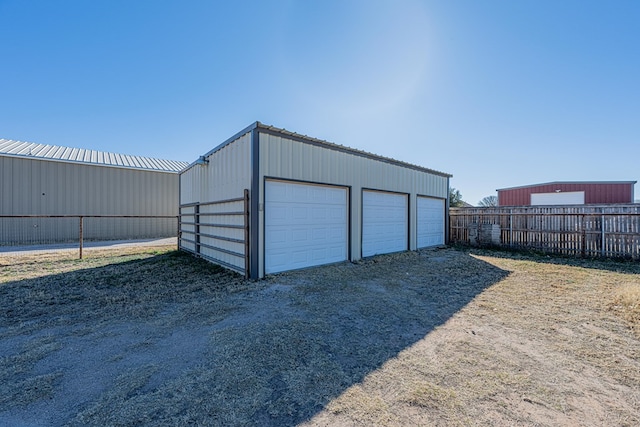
540 347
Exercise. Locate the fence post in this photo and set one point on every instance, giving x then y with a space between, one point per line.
196 218
480 219
510 228
584 237
602 233
179 225
80 237
246 234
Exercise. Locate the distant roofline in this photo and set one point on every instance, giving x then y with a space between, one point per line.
55 153
566 182
322 143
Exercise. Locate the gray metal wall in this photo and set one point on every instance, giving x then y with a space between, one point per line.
226 175
46 187
286 158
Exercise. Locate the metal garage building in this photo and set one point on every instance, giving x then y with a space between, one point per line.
38 179
268 200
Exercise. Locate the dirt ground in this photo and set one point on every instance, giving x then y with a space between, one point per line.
149 336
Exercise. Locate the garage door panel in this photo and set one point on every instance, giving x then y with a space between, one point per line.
319 213
282 236
277 214
298 192
430 221
319 255
334 196
384 223
335 214
328 234
300 213
300 235
318 194
277 192
305 225
337 234
278 259
278 236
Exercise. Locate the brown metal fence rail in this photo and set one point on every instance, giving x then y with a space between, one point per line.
587 231
18 230
217 231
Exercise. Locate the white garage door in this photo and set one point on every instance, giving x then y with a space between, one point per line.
385 225
430 222
305 225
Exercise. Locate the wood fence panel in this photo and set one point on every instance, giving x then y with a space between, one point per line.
587 231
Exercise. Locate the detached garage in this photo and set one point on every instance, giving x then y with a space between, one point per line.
268 200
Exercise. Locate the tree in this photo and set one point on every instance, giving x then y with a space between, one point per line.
455 198
488 202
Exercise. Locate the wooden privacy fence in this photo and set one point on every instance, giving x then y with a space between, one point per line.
217 231
20 230
588 231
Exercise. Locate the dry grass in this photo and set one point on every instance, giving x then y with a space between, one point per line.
361 406
428 395
28 388
149 337
110 284
41 264
540 347
626 302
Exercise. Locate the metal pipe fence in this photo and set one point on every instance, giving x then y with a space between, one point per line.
23 230
217 231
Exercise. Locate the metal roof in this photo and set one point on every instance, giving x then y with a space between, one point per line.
322 143
80 155
566 183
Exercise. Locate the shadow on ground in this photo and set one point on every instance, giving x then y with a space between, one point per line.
173 340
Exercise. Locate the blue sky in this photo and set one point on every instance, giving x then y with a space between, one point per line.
497 93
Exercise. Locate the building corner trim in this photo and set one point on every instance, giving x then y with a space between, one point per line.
254 206
447 235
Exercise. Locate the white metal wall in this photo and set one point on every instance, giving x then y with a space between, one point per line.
226 176
286 158
48 187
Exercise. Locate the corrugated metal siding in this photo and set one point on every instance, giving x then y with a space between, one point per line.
225 177
43 187
40 187
594 193
341 148
285 158
288 159
80 155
